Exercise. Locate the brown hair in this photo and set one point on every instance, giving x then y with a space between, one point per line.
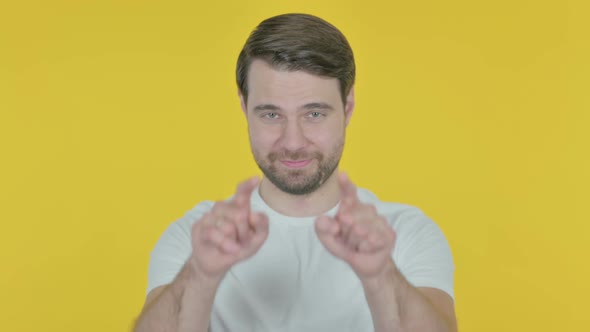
298 42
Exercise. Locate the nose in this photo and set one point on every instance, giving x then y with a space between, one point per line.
293 138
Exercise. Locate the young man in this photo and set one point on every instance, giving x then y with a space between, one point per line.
303 249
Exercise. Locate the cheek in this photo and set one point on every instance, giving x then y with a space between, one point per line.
262 137
329 135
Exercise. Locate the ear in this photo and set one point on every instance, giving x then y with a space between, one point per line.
242 103
349 106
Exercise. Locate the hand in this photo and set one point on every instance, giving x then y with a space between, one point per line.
357 234
229 233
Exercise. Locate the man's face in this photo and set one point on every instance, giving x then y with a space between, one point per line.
296 124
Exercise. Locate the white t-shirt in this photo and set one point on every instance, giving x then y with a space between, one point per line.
293 283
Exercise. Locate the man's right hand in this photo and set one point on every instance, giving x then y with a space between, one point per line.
227 234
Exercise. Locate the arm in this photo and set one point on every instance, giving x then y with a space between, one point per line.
228 234
183 305
398 306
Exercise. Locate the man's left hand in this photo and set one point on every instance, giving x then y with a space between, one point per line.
357 234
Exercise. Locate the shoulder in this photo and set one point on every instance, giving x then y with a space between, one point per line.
410 223
398 214
194 214
181 228
422 252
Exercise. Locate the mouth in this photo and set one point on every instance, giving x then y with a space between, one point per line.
296 163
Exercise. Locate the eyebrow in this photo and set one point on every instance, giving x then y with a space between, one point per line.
266 107
309 106
318 106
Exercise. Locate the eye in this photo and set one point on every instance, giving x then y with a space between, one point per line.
271 115
315 115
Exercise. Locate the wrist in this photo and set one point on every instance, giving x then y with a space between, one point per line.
198 276
386 277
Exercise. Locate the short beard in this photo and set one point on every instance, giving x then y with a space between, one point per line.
294 182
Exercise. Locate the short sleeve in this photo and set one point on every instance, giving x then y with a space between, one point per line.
173 248
422 252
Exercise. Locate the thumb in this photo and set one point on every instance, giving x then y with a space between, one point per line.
259 222
325 225
328 230
259 233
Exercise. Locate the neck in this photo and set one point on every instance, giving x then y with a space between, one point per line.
313 204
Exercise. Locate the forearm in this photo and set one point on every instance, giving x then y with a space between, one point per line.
398 306
184 305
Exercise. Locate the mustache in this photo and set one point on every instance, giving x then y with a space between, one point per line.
298 155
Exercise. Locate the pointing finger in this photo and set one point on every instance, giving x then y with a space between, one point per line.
241 208
347 189
244 191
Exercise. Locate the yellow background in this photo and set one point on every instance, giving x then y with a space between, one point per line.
116 117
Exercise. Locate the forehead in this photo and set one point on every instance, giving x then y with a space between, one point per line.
267 84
